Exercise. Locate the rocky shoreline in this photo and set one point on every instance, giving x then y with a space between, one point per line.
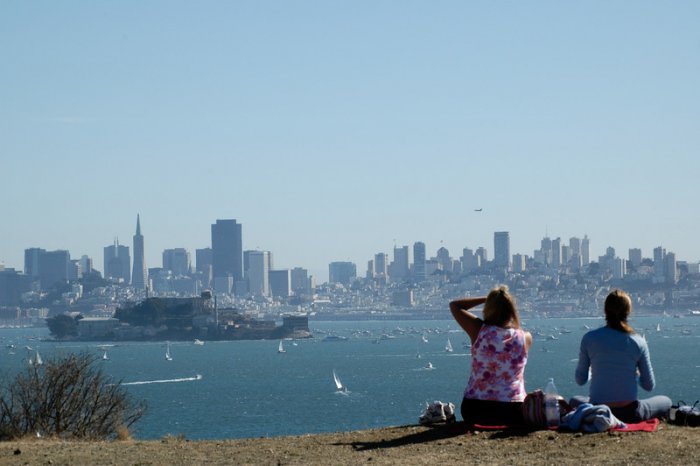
450 444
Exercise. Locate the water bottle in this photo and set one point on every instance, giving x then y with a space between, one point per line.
551 404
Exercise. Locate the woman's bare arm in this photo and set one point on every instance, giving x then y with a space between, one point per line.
468 321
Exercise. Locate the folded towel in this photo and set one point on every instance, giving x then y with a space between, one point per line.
592 418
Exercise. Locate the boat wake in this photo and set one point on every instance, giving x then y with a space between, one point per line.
146 382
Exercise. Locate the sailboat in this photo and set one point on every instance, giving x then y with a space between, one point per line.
658 327
37 359
339 387
167 353
280 348
448 346
104 355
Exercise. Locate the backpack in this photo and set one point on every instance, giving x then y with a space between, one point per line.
685 415
534 410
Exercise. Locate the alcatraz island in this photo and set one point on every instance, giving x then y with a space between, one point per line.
160 319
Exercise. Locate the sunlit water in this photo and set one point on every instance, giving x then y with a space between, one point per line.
247 389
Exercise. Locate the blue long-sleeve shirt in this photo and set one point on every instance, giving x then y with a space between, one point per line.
614 358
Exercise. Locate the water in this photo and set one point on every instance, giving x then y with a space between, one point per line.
243 389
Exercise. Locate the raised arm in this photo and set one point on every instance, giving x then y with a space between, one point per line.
468 321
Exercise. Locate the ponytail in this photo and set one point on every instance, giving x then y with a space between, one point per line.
618 307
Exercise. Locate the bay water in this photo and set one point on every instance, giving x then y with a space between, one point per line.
240 389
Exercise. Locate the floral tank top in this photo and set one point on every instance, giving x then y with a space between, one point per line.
498 365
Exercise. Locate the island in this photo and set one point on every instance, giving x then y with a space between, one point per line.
161 319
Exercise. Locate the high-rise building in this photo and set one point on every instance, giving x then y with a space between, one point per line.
419 261
12 285
556 253
301 285
342 272
31 262
659 266
635 257
444 260
53 268
501 250
117 263
483 255
257 273
519 263
585 251
671 268
619 269
565 254
470 261
139 276
227 249
280 283
203 259
575 252
381 264
177 261
400 268
85 265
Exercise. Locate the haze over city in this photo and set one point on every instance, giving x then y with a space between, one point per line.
333 131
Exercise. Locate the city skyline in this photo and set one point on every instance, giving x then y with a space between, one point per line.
335 131
233 231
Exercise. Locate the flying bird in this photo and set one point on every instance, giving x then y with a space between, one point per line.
478 210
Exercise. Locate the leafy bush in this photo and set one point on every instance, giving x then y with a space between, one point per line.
62 326
66 397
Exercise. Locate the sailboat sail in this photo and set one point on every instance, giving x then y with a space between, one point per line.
167 353
280 348
104 355
448 346
338 384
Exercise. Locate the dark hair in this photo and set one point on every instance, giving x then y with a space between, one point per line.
499 308
618 307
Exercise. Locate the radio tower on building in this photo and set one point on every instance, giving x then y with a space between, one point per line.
139 276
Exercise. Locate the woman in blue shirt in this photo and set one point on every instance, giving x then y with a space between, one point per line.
617 359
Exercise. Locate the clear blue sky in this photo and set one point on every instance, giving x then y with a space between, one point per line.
331 129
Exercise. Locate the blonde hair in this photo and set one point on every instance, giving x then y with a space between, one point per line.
618 307
499 308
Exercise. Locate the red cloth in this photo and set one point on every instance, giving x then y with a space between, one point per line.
482 427
644 426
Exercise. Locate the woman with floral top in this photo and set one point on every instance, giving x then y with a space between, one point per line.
496 387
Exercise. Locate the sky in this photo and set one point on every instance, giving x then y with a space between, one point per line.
333 130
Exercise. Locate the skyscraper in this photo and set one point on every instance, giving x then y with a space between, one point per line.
117 263
419 260
400 267
585 250
227 249
31 262
381 264
53 268
258 273
177 261
501 250
556 253
341 272
139 275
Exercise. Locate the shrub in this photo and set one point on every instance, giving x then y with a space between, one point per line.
67 397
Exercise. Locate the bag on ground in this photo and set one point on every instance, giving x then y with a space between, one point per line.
685 415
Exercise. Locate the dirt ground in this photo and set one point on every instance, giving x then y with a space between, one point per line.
451 444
